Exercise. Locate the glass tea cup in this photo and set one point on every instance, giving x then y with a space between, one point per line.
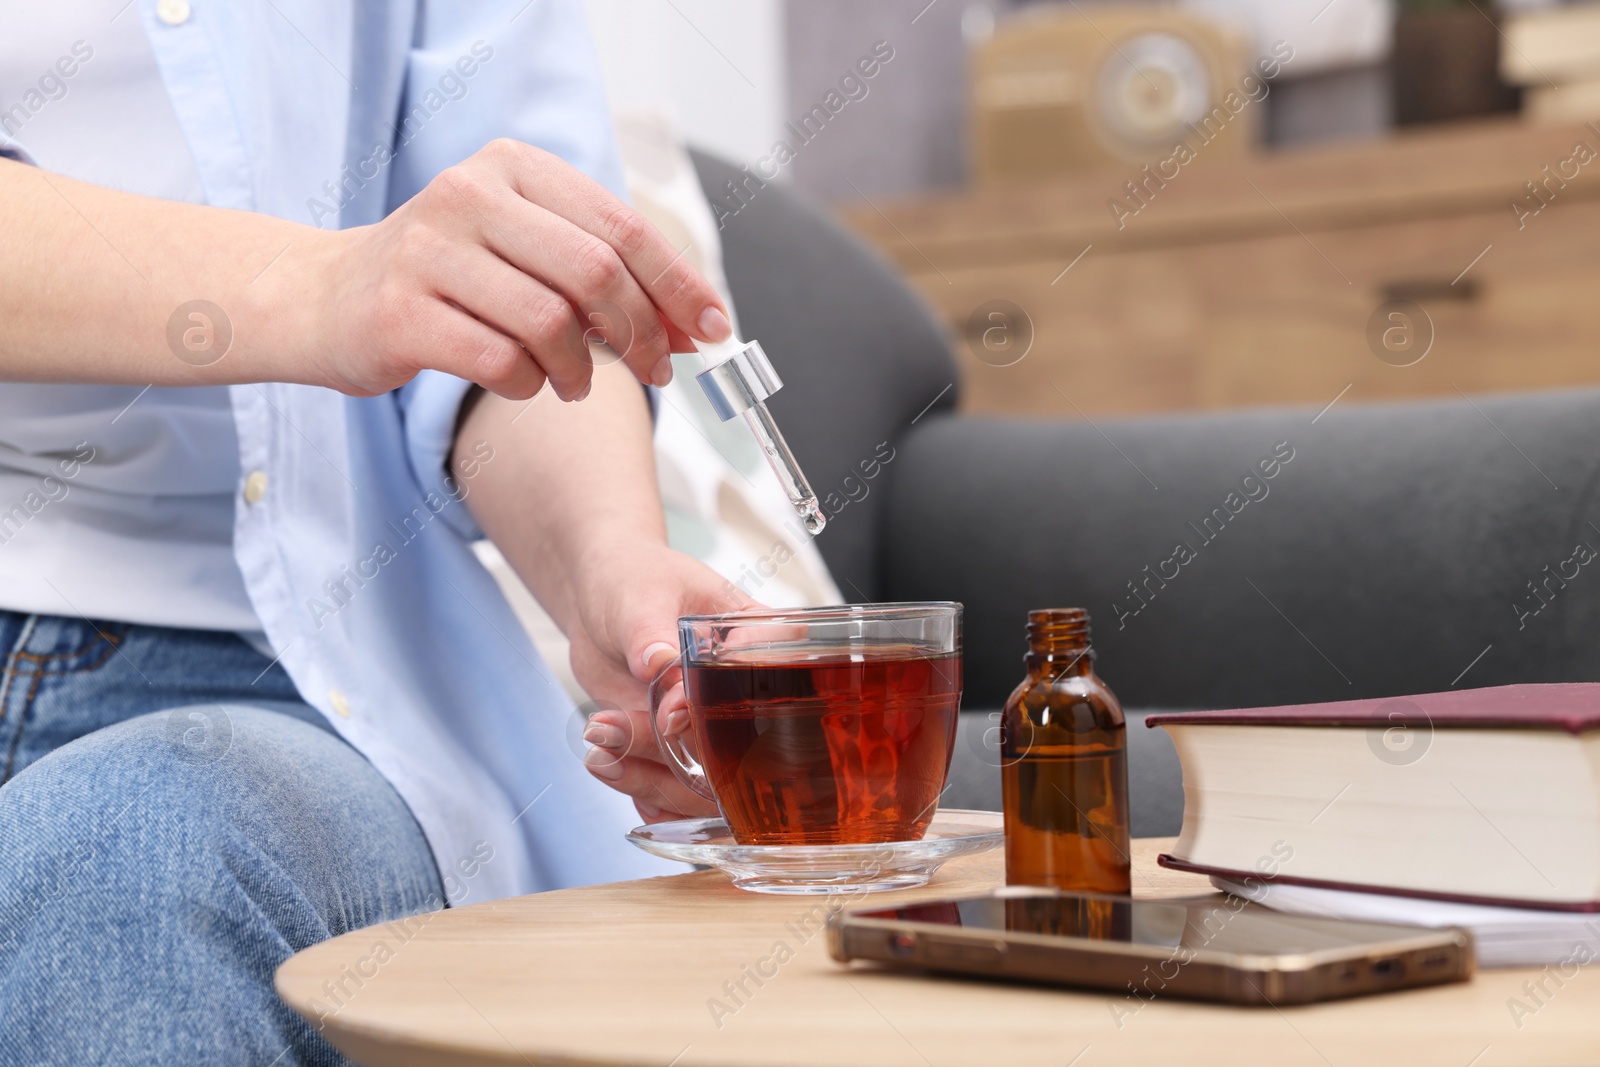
812 726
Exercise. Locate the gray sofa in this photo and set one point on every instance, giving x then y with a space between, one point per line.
1396 548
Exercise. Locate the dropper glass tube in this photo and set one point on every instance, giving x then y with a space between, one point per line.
793 479
738 381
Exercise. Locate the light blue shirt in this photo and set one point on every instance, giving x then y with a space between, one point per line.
352 541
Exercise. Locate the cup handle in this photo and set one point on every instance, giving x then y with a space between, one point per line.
688 769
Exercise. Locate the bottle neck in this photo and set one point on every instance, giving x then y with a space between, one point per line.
1058 642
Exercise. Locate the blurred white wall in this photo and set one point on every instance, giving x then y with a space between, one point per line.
718 64
1325 36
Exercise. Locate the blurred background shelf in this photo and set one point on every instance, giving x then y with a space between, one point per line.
1376 149
1253 281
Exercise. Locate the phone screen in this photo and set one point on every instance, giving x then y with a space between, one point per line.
1232 925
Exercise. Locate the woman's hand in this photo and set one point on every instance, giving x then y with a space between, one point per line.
627 630
571 500
500 272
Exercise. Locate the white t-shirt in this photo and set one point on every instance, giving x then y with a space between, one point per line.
116 502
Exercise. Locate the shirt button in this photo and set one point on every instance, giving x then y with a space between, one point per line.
341 706
173 12
255 487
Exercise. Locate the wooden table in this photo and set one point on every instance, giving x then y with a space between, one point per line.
640 973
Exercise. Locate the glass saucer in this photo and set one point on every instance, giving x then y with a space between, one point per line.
824 868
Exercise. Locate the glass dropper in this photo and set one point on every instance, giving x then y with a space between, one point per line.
738 381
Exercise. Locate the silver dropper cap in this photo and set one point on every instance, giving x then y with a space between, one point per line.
738 381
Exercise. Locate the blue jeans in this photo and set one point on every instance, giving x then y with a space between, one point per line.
175 823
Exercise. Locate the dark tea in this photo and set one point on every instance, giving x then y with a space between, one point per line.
820 746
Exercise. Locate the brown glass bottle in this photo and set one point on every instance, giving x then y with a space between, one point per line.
1064 765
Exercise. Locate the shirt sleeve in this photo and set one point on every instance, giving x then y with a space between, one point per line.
430 406
502 70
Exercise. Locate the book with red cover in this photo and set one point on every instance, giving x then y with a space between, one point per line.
1503 813
1573 707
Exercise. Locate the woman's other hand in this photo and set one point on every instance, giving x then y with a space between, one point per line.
627 631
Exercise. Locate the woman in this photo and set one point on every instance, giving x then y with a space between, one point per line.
278 282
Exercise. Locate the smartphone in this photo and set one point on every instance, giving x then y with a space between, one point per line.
1211 948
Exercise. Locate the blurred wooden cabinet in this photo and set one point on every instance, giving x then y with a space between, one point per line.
1275 280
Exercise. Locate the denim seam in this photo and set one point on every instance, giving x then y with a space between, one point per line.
5 693
40 672
43 658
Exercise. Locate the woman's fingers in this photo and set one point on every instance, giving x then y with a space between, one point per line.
647 782
623 733
590 274
449 338
677 340
671 283
542 321
627 758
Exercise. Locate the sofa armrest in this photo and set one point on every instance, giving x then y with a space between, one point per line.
1266 557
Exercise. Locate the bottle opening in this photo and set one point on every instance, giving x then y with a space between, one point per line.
1058 631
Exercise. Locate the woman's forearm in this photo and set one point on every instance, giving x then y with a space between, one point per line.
571 487
91 279
570 498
